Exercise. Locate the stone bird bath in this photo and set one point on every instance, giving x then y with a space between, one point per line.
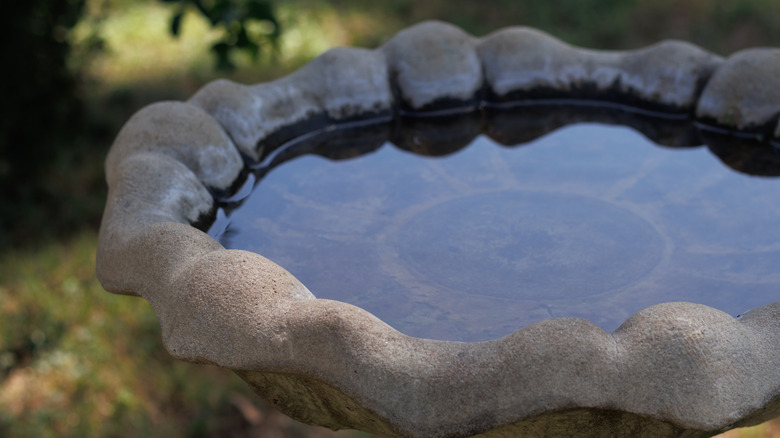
672 369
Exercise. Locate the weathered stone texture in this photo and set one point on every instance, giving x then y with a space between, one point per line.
744 93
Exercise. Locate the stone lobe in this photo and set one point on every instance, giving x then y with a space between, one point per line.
744 93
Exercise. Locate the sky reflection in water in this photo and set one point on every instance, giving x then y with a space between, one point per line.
591 221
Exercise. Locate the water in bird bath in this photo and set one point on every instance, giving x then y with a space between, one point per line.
591 221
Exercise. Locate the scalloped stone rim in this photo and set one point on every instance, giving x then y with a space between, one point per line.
674 368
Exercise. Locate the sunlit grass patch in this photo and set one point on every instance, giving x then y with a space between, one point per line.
137 44
77 361
63 340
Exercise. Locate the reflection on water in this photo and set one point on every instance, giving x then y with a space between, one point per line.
591 220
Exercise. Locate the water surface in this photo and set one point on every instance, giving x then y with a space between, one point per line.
592 221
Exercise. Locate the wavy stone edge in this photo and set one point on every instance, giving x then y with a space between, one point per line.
672 369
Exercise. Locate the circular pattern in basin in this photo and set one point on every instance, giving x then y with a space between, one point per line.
545 244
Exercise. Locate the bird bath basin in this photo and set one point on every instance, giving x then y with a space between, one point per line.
602 273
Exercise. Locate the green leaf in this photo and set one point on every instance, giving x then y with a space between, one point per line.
243 42
222 52
176 23
238 19
260 10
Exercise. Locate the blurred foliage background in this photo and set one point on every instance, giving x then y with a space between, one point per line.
77 361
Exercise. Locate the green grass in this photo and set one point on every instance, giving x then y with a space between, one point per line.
77 361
